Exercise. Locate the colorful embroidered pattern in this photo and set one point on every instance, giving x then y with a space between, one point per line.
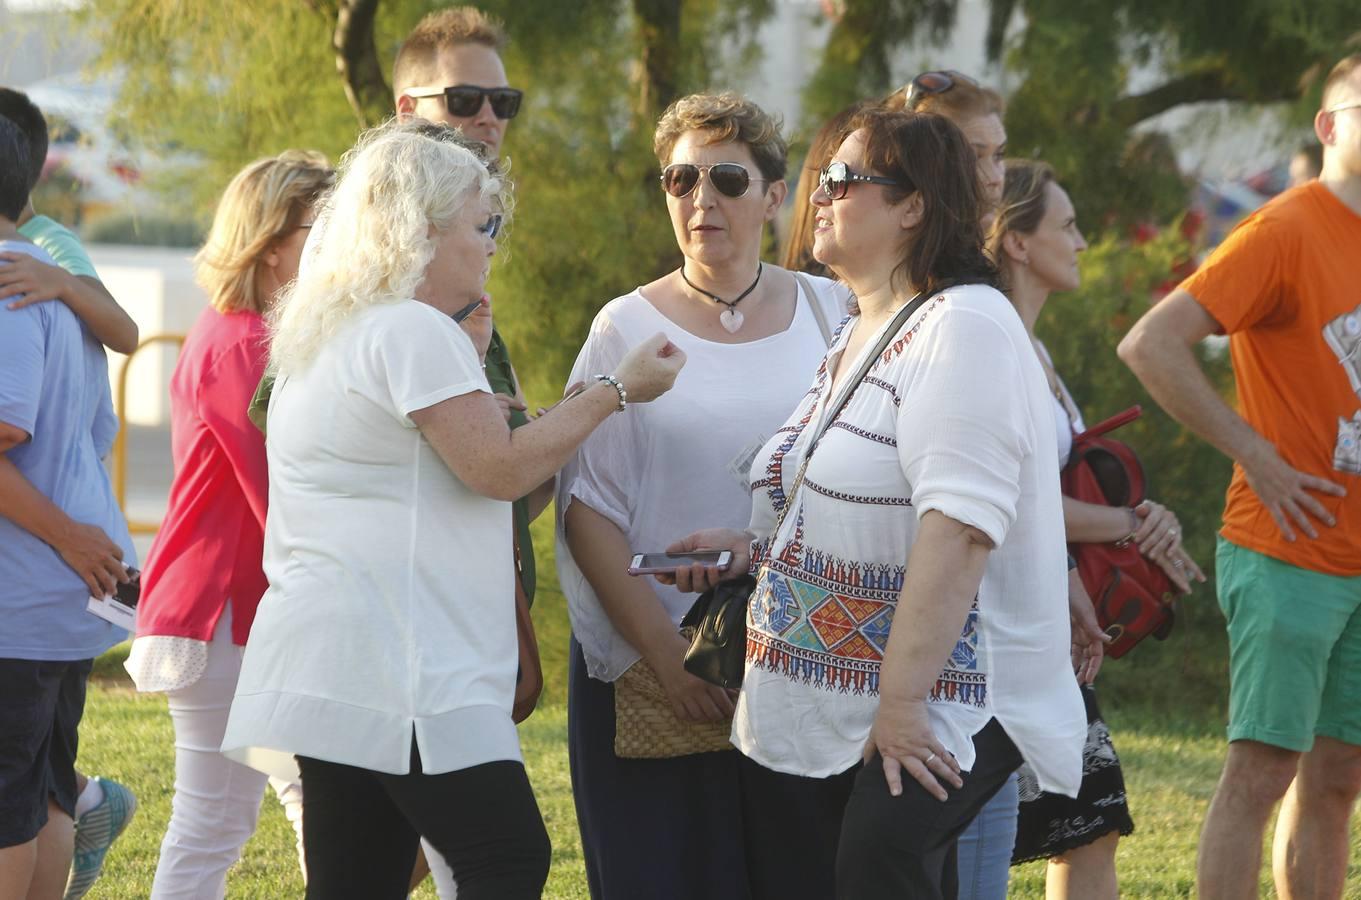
802 627
866 434
825 621
854 498
892 389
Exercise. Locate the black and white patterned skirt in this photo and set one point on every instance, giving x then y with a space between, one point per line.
1051 824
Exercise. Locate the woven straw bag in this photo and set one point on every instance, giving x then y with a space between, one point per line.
645 727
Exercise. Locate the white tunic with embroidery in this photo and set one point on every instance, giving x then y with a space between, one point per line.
955 416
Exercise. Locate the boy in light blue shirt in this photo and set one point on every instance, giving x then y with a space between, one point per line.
62 538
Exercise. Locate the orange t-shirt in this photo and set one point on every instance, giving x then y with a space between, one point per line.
1286 287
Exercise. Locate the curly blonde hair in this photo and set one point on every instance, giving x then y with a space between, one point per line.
261 206
400 186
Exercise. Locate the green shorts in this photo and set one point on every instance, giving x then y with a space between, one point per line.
1294 650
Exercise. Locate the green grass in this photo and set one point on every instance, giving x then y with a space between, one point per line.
1166 719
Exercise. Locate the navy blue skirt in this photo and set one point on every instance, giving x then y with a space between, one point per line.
664 829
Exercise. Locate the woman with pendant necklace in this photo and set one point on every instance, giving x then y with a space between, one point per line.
672 827
906 641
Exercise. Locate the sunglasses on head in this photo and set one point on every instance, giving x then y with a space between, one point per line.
936 82
464 100
730 179
836 178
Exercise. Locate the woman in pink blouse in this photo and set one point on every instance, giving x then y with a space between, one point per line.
203 576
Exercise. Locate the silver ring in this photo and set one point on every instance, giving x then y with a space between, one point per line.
1174 532
929 758
1180 564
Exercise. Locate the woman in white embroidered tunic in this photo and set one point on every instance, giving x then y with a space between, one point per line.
933 497
382 661
672 828
1036 243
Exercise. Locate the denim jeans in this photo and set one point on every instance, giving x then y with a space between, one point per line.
985 847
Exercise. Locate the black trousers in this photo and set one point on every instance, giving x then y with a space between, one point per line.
899 847
792 827
361 829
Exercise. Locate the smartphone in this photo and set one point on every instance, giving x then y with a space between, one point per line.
121 607
466 311
655 563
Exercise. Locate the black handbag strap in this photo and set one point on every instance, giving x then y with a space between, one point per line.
847 390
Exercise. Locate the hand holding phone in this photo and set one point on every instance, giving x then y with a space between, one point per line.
668 563
120 607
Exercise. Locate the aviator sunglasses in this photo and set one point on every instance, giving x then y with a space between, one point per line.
936 82
730 179
835 179
464 100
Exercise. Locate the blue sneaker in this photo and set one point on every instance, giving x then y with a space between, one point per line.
95 833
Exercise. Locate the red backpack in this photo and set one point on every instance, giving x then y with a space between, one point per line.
1126 589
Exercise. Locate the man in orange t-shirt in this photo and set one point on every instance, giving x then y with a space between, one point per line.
1286 288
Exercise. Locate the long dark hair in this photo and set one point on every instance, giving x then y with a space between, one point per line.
798 248
927 154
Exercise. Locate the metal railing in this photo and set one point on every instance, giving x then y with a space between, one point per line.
119 454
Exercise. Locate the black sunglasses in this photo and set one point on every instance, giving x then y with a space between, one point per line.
464 100
731 179
936 82
492 227
835 179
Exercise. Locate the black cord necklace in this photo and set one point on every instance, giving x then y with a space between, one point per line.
730 318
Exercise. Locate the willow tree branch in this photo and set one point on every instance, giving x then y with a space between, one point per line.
357 61
659 26
1197 87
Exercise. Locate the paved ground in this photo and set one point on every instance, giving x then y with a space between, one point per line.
148 479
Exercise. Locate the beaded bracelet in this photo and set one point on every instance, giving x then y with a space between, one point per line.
614 383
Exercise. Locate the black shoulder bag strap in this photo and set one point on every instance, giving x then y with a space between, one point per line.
719 617
847 390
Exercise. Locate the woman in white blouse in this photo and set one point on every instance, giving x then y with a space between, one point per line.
382 661
910 611
672 828
1036 242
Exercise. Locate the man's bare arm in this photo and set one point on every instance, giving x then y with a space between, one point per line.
1160 349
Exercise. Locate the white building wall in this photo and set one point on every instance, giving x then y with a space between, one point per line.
156 286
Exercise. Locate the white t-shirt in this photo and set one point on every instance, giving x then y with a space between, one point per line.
954 416
671 467
391 607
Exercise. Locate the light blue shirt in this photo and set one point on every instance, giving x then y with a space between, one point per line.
54 384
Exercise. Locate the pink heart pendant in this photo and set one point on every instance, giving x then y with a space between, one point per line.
730 319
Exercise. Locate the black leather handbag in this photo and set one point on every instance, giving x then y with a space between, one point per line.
718 646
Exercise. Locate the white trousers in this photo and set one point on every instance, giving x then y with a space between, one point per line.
217 801
440 872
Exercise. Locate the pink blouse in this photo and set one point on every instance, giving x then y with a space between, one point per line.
209 548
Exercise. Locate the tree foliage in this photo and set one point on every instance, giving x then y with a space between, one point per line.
1080 67
230 82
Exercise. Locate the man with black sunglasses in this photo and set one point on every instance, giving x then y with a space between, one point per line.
449 70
